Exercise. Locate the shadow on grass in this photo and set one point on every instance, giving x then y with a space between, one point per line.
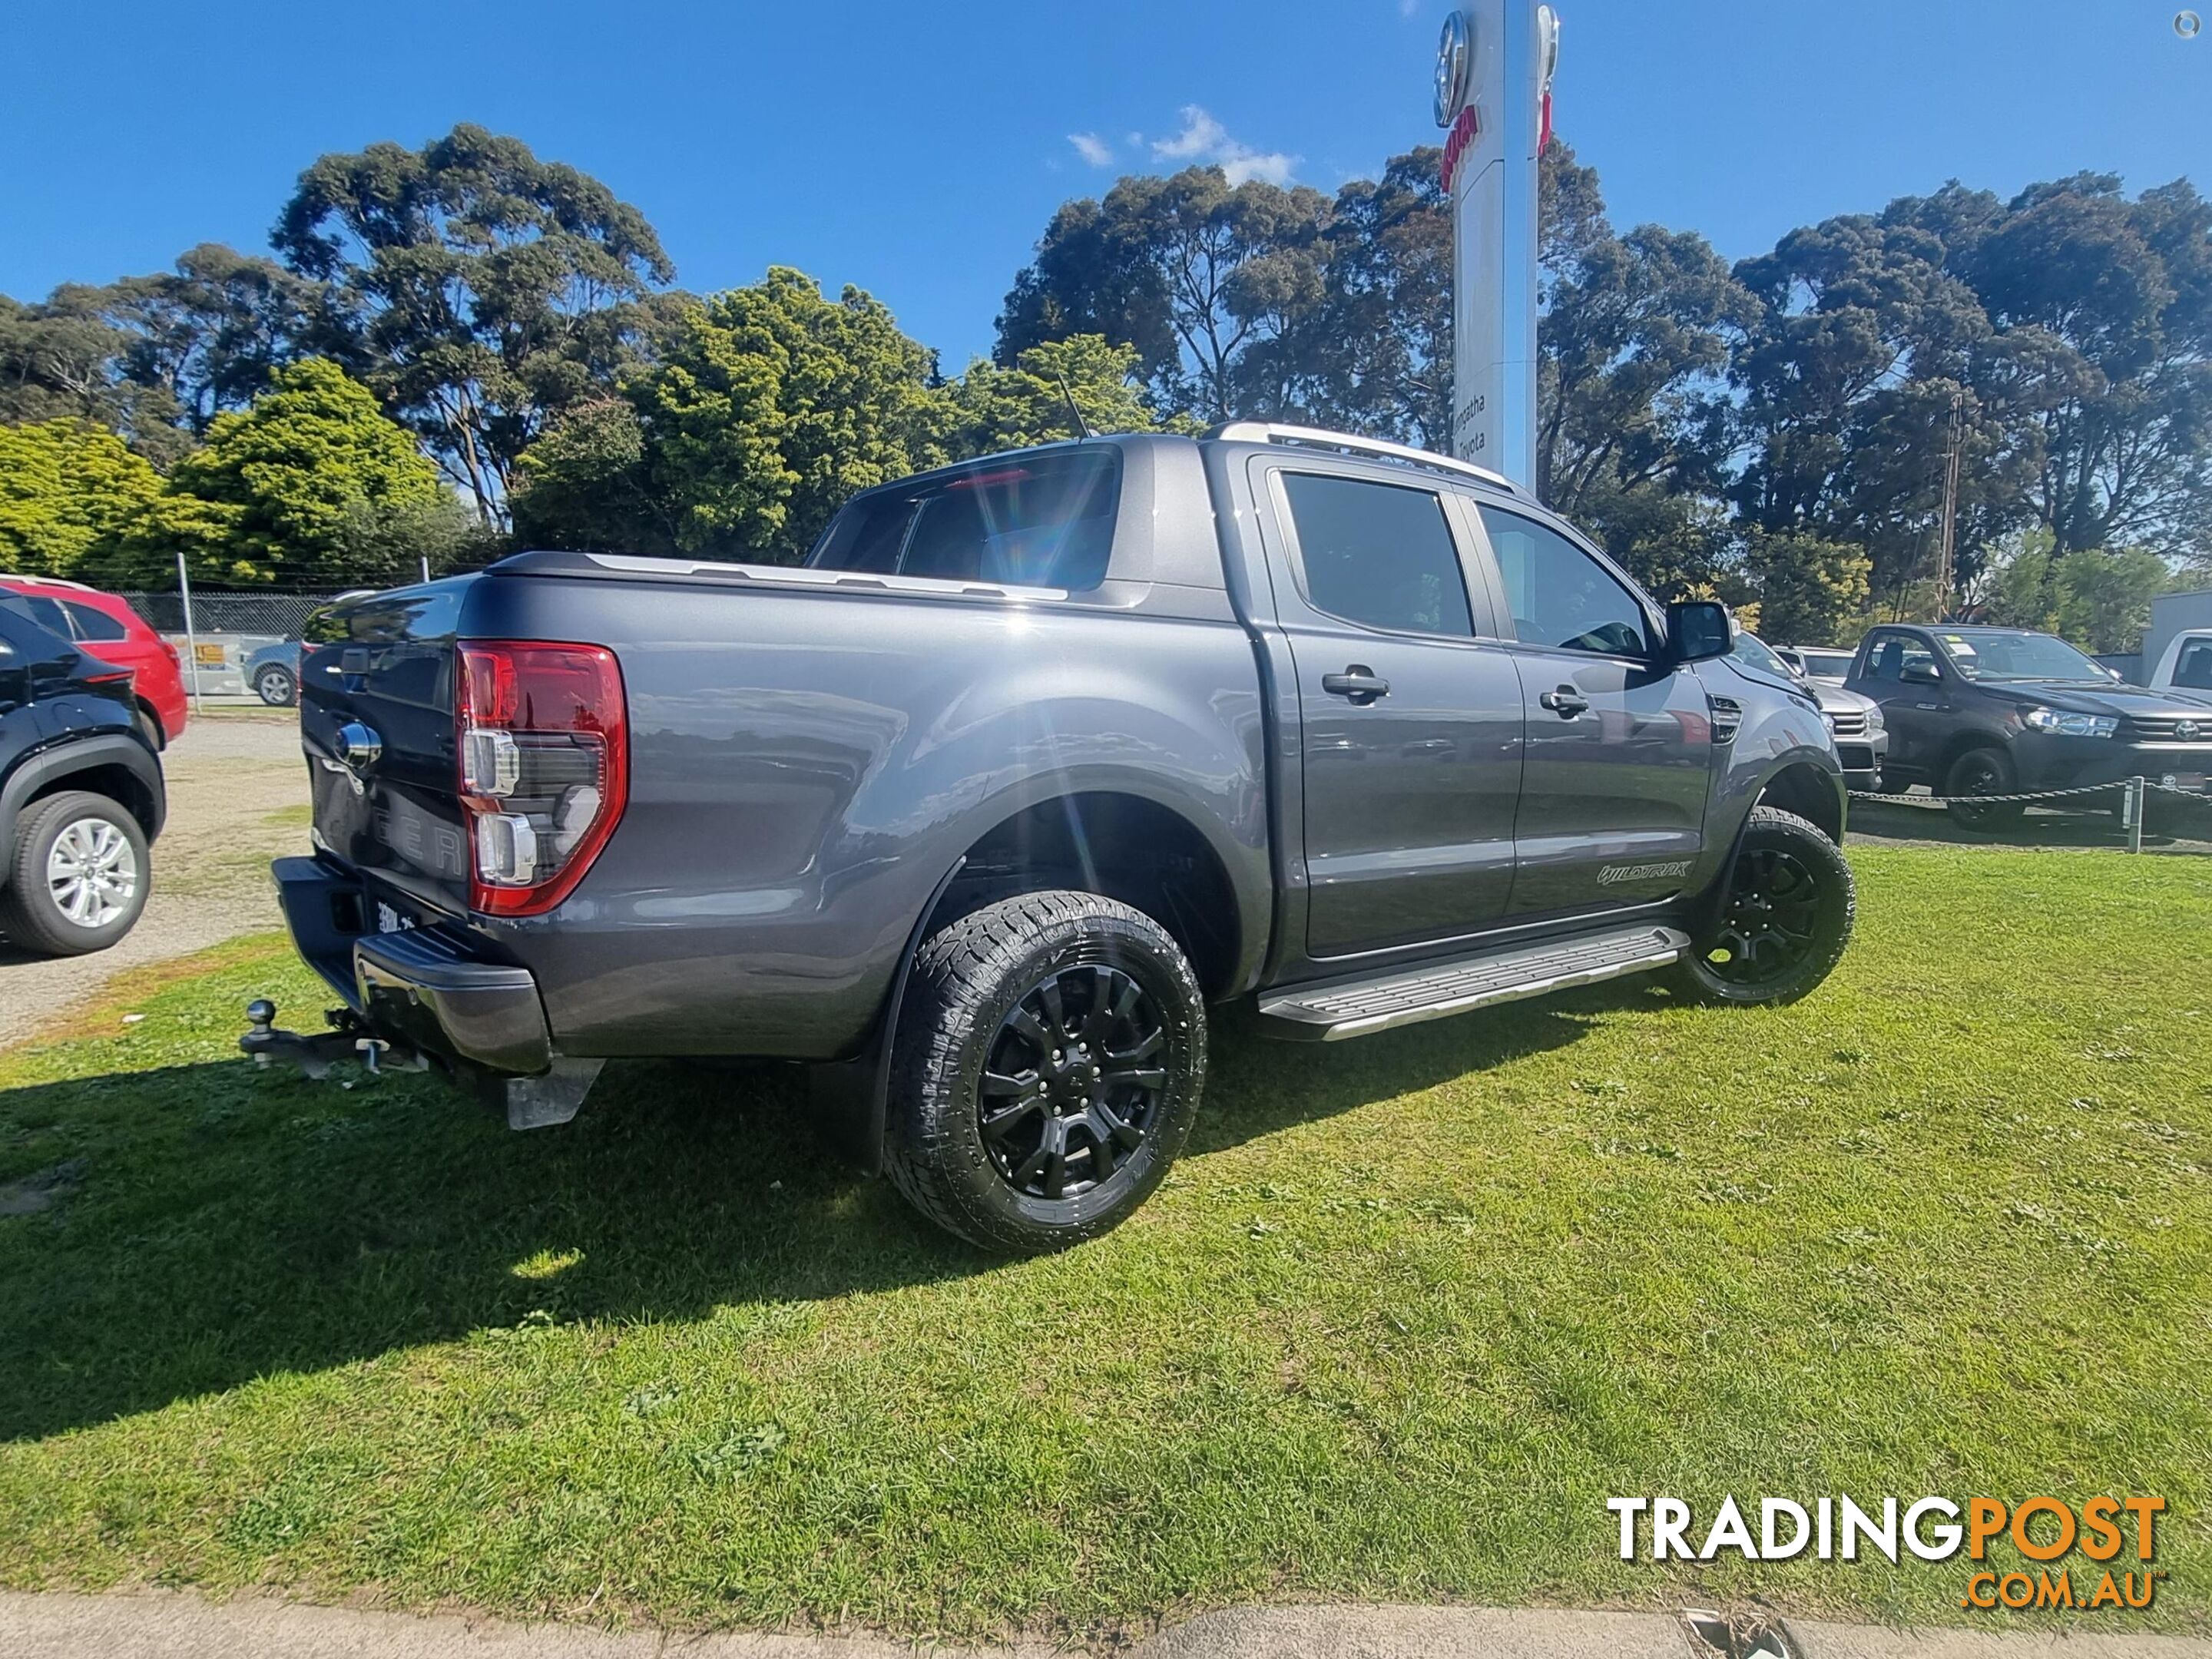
234 1223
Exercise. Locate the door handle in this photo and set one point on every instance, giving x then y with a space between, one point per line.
1567 702
1359 682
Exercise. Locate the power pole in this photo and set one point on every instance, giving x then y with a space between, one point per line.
1954 442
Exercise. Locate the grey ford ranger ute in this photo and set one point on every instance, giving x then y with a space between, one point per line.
1037 758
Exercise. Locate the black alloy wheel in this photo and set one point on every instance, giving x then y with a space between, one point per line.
1779 924
1049 1062
1074 1081
1771 922
1982 772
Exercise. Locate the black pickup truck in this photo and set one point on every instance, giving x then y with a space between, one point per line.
1035 759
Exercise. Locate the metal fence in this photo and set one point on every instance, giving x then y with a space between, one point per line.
260 613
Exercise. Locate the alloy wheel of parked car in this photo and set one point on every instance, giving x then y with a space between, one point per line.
275 687
1047 1067
1782 919
79 875
1982 772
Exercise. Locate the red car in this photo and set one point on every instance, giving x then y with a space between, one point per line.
108 628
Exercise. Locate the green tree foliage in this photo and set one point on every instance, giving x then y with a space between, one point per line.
476 288
771 405
71 494
284 490
1808 591
1375 356
209 333
1208 281
60 361
990 408
764 409
2099 600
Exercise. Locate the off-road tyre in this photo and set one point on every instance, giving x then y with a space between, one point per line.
30 913
972 981
1984 771
1812 894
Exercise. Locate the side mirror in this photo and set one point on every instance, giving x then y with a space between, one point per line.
1698 630
1920 673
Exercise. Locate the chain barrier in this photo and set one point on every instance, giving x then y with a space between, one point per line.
1991 800
2135 799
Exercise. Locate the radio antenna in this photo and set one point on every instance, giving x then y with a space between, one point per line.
1081 425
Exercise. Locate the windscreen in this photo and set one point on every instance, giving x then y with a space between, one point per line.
1039 521
2019 657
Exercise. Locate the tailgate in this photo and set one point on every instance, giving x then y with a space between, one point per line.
376 720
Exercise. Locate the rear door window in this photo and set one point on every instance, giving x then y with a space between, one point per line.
1039 521
1377 554
94 623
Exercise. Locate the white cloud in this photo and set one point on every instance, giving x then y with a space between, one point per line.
1204 139
1092 148
1407 8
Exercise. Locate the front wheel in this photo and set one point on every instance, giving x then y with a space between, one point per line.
1782 918
1047 1067
1982 772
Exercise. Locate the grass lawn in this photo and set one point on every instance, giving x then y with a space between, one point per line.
1410 1311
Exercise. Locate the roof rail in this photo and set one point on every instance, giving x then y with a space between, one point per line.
51 581
1269 432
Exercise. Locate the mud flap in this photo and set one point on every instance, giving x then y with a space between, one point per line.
541 1103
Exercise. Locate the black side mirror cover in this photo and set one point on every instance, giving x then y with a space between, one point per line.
1698 630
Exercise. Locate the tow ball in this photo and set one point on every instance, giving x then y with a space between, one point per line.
314 1054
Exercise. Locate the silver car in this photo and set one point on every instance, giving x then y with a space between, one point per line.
1862 743
1823 665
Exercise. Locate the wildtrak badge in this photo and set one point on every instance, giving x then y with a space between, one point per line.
1673 870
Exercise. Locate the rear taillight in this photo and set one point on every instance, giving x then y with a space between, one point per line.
545 768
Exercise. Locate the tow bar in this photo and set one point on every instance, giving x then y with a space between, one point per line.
313 1054
530 1103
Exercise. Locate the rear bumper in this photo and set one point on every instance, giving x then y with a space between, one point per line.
428 987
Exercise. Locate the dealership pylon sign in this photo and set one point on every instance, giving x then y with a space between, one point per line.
1493 97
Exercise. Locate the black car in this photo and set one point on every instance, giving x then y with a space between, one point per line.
81 794
1999 711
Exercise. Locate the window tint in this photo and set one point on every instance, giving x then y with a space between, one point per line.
94 623
1891 653
47 613
1042 521
1378 553
1559 595
2195 668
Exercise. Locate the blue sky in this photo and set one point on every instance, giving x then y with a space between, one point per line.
918 148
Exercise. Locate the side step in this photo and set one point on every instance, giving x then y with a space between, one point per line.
1327 1010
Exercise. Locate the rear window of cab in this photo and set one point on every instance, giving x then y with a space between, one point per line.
1042 520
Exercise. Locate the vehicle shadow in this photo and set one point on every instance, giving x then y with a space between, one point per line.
219 1223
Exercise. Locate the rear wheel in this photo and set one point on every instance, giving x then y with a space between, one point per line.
276 686
1982 772
77 876
1046 1070
1781 921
